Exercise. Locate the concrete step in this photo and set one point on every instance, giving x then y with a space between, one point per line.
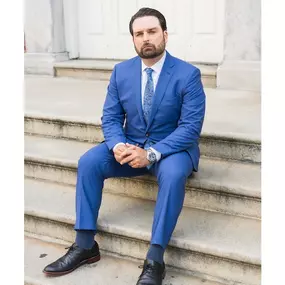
102 69
213 245
70 108
223 186
109 270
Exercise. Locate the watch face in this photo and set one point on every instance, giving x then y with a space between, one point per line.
151 157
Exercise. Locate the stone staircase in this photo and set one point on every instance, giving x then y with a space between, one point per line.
217 238
102 69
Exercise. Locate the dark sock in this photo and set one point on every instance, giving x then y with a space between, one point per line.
85 238
156 253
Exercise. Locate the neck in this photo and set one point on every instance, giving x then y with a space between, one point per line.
151 61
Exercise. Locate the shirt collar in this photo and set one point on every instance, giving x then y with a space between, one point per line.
156 67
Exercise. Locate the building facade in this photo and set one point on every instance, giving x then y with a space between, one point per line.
224 34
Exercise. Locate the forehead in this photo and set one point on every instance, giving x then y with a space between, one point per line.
145 23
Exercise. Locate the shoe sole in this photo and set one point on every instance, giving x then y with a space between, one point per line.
86 261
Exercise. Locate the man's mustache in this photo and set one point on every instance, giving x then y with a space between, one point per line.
147 45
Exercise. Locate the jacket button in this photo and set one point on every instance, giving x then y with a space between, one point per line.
147 134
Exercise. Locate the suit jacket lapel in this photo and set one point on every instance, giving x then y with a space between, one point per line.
136 79
164 78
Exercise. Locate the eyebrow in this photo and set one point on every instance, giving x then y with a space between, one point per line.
151 29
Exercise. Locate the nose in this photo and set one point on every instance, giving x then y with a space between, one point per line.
145 37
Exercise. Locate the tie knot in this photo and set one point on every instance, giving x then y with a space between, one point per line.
148 71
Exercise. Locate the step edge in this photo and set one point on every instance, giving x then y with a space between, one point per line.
233 137
195 184
145 237
108 65
190 273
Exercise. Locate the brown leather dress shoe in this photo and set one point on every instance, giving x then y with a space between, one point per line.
74 258
153 273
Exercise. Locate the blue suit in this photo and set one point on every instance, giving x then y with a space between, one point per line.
173 129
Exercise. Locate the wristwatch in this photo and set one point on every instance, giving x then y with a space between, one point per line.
151 156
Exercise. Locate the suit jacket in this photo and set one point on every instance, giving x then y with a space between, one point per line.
177 113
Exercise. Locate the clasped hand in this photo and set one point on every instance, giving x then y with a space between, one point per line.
131 154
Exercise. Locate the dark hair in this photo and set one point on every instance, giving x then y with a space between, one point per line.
148 12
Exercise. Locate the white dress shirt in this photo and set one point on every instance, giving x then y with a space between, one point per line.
155 74
157 67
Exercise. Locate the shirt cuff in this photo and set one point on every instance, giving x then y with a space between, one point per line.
120 143
157 154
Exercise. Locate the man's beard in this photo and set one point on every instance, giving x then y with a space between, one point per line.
152 51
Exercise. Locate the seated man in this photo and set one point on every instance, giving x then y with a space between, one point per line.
162 102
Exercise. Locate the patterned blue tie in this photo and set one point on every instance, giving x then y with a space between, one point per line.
148 94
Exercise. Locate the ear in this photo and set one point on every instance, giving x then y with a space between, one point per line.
165 33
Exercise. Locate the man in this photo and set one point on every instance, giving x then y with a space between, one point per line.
161 100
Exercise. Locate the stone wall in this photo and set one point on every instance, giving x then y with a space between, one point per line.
240 68
44 35
243 30
38 26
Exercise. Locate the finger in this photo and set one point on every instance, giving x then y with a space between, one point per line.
131 146
118 159
136 165
126 152
127 159
135 162
121 148
133 165
118 152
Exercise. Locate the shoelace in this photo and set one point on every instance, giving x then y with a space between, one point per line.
150 269
71 246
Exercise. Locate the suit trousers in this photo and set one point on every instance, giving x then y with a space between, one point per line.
99 163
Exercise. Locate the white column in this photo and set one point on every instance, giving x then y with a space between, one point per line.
44 33
240 68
